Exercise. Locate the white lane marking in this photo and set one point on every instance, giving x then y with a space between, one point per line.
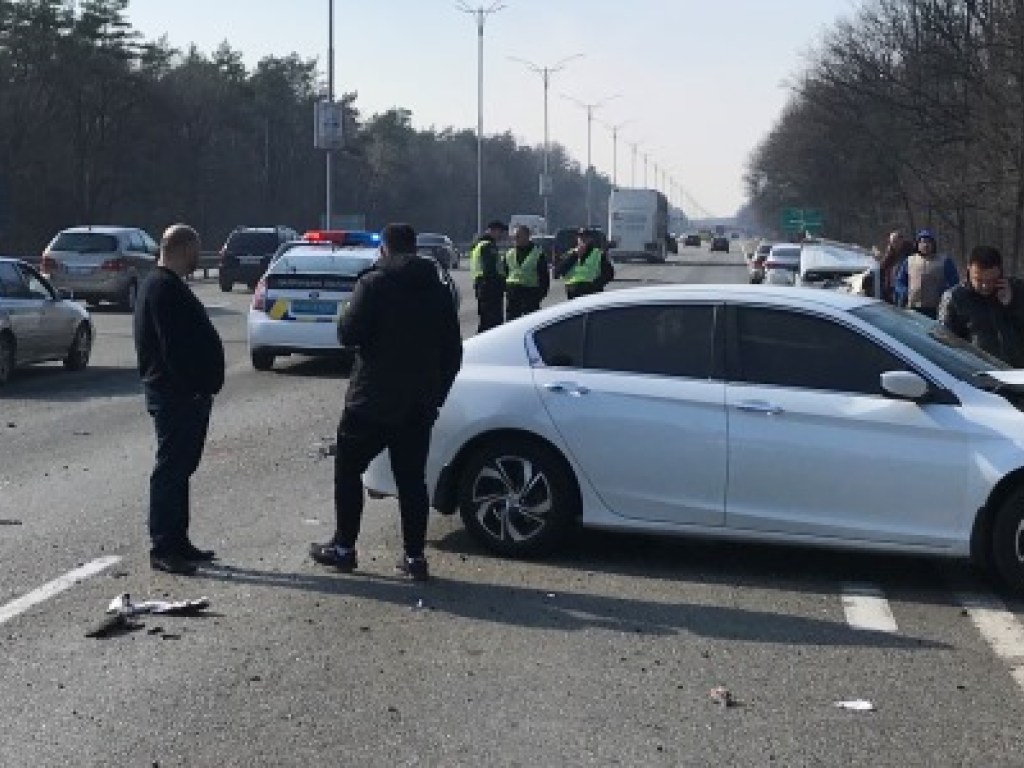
1001 630
55 587
867 609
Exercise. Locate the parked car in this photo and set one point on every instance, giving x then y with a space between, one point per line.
440 248
831 266
794 416
692 240
100 263
247 254
719 243
296 305
39 323
782 264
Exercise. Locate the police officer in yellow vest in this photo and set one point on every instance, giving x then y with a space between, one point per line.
487 269
528 275
581 267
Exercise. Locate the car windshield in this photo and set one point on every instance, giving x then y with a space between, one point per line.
933 341
84 242
252 242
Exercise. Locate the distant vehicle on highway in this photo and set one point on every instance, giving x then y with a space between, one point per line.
247 254
675 410
755 264
830 266
782 264
719 243
692 240
439 247
39 323
100 263
638 225
296 305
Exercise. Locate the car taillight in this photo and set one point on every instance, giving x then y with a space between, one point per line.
259 297
114 265
49 265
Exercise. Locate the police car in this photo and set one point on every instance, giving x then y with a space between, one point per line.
297 303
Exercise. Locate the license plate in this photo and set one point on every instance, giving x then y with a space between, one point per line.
307 307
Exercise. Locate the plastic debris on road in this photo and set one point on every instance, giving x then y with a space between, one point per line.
722 696
123 605
856 705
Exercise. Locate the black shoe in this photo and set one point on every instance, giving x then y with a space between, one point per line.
172 564
191 552
328 554
413 567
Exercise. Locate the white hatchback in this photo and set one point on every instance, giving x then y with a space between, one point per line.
676 410
297 303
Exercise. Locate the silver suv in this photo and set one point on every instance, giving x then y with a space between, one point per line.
100 263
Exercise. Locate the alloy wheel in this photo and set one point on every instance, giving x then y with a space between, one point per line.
512 499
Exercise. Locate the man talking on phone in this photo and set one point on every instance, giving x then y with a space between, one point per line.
988 308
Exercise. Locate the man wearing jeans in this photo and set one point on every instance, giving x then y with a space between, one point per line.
181 362
405 330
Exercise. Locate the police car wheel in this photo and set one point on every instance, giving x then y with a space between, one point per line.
262 361
518 497
1008 541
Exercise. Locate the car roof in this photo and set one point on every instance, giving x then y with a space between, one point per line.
821 256
727 292
102 229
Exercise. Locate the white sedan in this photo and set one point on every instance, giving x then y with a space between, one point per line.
786 415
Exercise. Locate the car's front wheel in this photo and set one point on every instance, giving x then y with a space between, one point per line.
517 496
81 348
262 361
1008 540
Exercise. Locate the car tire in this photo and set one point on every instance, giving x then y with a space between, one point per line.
80 350
1008 541
262 361
497 512
6 359
226 287
131 295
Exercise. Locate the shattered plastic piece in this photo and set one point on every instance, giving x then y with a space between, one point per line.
722 696
419 603
122 605
856 705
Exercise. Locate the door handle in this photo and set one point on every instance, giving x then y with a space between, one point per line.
566 388
759 406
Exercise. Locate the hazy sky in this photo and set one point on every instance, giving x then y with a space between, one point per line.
700 81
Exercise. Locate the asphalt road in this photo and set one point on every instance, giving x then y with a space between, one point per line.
604 655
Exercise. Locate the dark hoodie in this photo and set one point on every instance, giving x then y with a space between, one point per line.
406 330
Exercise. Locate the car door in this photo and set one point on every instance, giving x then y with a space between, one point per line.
54 331
817 449
24 313
634 393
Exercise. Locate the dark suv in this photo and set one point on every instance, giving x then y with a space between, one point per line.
247 253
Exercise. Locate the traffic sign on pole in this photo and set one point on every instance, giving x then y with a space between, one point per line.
801 219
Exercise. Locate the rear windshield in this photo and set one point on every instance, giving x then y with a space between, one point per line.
84 242
254 243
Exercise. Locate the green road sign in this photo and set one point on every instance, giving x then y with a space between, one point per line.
801 219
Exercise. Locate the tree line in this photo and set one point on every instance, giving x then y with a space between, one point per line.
909 114
98 125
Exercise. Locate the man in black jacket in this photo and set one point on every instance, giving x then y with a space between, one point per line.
988 308
405 329
181 362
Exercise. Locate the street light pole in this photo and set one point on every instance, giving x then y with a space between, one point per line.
480 14
645 170
632 180
615 148
545 73
330 98
590 108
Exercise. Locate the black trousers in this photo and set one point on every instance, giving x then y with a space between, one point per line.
181 426
522 301
360 441
490 305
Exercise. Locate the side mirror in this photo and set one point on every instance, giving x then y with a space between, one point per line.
904 385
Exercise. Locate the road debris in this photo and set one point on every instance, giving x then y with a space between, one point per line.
10 522
123 605
117 624
856 705
722 696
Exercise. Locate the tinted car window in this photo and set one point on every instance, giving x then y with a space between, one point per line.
11 284
561 344
791 349
252 243
37 289
663 340
135 243
84 242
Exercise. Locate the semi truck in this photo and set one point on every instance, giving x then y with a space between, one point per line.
638 225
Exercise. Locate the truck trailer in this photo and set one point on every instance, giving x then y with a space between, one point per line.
638 225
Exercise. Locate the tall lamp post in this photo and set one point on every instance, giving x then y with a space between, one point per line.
330 98
590 109
615 148
632 178
545 73
480 14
